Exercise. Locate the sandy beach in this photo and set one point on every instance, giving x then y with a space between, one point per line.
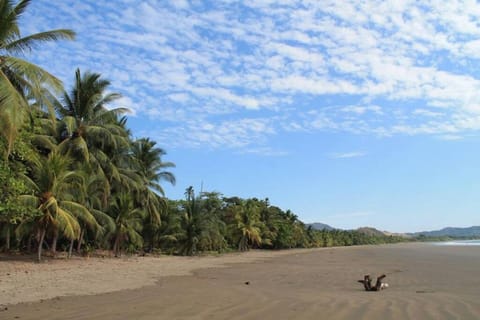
426 282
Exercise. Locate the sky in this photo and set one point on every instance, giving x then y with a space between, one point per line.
350 113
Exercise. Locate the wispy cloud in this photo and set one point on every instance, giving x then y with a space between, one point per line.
265 151
450 137
392 68
347 155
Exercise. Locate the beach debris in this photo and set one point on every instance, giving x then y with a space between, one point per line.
379 285
424 291
247 282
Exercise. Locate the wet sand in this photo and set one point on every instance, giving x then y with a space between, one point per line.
426 282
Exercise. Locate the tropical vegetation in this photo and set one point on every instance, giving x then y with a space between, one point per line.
72 177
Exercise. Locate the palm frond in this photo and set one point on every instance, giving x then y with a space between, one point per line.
45 141
13 110
68 224
19 8
70 124
104 219
81 213
29 42
8 22
79 147
33 72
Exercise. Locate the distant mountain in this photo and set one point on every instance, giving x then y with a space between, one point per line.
375 232
320 226
445 232
371 231
452 232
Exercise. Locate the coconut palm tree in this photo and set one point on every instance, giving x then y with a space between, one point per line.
92 193
191 224
128 222
170 230
151 169
90 126
54 184
248 225
201 229
18 77
150 164
95 134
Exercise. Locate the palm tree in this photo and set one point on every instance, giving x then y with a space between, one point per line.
128 222
90 126
54 184
18 77
92 193
212 212
271 220
248 225
201 228
94 134
170 230
191 224
149 165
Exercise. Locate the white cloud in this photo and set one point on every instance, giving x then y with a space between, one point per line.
265 151
242 134
450 137
371 67
362 109
348 155
179 97
426 113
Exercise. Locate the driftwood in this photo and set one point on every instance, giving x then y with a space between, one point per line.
379 285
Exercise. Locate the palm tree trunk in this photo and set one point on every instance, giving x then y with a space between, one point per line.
54 242
116 245
7 240
70 249
80 240
40 244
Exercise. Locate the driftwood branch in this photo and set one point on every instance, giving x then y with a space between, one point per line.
379 285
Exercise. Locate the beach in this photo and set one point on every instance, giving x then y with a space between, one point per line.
425 282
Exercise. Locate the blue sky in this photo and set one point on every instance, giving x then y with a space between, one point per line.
346 112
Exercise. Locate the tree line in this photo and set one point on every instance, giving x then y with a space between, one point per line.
73 177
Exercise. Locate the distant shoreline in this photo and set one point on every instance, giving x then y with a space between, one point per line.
473 242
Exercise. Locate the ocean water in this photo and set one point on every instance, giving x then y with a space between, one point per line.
459 243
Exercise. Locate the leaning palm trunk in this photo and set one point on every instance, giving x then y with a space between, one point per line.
54 242
40 244
243 243
116 245
80 240
70 248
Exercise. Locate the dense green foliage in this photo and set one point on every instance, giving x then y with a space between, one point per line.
211 222
73 177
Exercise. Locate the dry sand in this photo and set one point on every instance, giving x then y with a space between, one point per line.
426 282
